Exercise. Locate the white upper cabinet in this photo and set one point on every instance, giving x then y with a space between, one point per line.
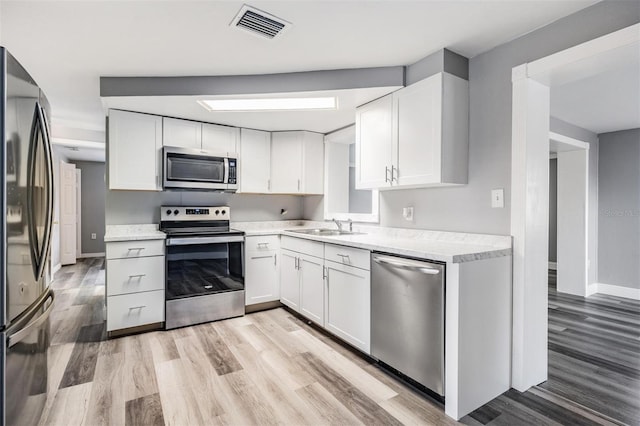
429 140
221 139
297 163
135 145
374 137
181 133
255 161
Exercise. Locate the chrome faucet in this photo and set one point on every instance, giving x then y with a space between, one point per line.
338 224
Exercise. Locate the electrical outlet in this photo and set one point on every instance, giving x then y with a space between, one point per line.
497 198
407 213
93 235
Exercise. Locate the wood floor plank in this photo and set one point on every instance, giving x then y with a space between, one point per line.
178 398
107 402
138 369
248 405
70 406
145 411
327 406
82 363
216 350
163 346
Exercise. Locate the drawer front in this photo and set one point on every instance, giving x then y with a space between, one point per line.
348 256
129 249
312 248
134 275
132 310
262 243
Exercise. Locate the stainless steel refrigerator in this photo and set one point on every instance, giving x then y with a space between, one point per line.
26 300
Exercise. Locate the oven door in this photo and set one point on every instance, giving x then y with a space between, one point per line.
199 266
194 169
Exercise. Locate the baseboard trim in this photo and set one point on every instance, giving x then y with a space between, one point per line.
84 255
617 290
553 266
55 269
592 289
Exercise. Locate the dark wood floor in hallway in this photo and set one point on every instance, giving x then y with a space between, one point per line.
270 367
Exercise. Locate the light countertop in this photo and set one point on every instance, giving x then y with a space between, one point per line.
133 233
450 247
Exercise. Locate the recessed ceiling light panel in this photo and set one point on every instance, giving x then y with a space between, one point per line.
259 23
270 104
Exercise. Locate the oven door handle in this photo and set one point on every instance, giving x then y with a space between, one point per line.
203 240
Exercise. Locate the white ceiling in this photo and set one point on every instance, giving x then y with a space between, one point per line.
606 102
68 45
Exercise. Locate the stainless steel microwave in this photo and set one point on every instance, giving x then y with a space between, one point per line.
186 168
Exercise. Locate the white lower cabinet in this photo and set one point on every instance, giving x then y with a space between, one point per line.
311 271
262 270
135 281
334 295
348 304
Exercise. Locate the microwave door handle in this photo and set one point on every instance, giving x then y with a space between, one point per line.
226 171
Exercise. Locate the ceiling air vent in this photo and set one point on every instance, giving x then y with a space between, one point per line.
259 23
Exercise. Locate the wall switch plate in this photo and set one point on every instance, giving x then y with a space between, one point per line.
407 213
497 198
93 235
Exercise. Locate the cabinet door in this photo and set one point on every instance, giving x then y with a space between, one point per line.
313 163
135 143
261 277
255 161
223 139
348 304
312 288
181 133
286 162
289 280
374 138
417 158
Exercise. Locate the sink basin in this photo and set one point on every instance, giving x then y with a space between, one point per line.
323 232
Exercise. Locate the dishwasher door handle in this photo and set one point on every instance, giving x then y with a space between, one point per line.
408 265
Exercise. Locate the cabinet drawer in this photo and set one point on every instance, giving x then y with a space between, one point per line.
132 310
135 275
262 243
140 248
348 256
312 248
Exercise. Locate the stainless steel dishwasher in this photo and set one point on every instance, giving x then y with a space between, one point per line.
407 318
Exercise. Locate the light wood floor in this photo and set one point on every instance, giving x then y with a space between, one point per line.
270 367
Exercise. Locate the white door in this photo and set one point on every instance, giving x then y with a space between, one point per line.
261 277
286 162
135 144
417 144
78 212
374 138
348 304
181 133
289 280
255 161
223 139
313 163
312 288
67 213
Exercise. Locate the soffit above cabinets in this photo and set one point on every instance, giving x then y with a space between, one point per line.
187 107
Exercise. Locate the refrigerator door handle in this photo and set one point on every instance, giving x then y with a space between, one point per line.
50 189
16 337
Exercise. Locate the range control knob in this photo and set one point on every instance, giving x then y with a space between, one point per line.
176 211
169 211
224 212
217 212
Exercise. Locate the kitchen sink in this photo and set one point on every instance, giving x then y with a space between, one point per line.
324 232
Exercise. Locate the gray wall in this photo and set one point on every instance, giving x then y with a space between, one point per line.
619 219
129 207
553 210
92 205
468 208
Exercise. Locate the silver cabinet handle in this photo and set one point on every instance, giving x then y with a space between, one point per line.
393 171
137 276
324 272
137 307
275 259
298 184
408 265
269 184
342 255
386 174
136 249
263 245
260 257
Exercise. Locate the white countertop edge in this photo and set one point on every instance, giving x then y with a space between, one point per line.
136 232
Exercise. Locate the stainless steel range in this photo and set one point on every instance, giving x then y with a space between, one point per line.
204 265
